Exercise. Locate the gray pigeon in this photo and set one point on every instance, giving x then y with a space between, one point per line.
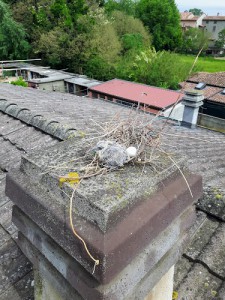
111 154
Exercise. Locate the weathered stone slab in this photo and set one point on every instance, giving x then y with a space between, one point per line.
124 281
202 237
127 290
6 217
199 285
117 213
54 278
3 198
213 255
142 225
13 265
182 268
213 202
4 236
101 199
21 290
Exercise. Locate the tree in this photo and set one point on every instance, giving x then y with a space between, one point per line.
52 47
13 44
220 43
131 31
163 21
157 68
126 6
196 11
195 39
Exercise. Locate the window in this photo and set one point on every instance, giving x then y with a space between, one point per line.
207 22
215 22
214 28
94 95
200 86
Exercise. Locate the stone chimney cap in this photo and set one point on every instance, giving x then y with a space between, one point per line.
193 92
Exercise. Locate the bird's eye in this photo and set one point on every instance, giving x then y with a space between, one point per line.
100 147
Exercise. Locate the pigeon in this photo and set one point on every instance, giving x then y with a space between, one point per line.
111 154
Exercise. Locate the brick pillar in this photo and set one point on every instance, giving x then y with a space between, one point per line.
134 223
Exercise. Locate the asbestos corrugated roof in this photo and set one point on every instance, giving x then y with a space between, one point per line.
135 92
33 119
83 81
52 78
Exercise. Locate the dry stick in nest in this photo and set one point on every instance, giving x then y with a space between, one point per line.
179 169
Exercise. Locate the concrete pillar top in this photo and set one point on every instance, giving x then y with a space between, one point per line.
117 214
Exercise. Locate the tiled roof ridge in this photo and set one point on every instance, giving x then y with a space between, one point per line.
51 127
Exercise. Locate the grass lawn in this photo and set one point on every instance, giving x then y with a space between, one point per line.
206 64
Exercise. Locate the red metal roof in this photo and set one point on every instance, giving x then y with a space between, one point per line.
153 96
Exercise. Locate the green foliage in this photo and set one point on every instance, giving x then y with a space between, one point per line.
98 68
220 43
162 68
125 24
194 39
132 41
126 6
204 64
106 42
52 46
13 42
196 11
163 21
20 82
131 32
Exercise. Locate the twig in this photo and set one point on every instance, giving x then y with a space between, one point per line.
179 169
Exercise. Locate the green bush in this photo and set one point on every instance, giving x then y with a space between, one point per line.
20 82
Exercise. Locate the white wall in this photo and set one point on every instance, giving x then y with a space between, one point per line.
177 113
220 25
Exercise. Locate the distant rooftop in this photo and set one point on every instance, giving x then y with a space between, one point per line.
214 79
218 18
83 81
51 78
152 96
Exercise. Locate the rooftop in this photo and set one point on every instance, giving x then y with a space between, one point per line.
214 18
152 96
83 81
215 84
215 79
52 77
186 16
200 272
210 92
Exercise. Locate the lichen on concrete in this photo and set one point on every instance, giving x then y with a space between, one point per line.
98 198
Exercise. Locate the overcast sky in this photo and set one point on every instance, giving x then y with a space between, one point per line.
208 6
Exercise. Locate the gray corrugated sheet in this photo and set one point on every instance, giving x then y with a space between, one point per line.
201 271
52 77
83 81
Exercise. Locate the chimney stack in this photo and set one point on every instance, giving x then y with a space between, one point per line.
192 101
